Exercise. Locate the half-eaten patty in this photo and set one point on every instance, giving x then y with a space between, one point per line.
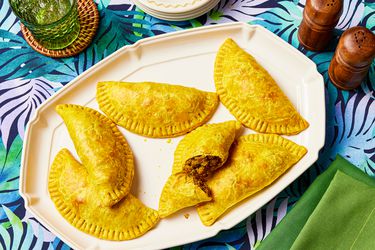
200 168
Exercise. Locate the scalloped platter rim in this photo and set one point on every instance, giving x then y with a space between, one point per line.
167 58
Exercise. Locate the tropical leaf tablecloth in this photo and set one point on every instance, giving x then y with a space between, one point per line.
28 78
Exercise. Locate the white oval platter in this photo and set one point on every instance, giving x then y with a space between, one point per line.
186 58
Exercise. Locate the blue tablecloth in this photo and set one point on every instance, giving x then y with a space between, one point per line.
28 78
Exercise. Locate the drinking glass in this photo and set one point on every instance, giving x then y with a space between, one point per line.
53 23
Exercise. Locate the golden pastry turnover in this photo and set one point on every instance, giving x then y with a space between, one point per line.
76 200
103 150
156 109
206 148
180 191
252 95
197 156
255 162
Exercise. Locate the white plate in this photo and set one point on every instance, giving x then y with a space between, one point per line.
173 6
185 58
178 16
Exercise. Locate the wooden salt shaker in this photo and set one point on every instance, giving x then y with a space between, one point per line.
352 58
319 20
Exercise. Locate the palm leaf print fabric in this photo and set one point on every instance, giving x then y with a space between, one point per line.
27 79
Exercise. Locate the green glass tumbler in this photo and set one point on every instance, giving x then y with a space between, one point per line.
53 23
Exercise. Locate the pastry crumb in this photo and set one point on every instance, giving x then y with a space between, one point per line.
186 216
145 140
169 141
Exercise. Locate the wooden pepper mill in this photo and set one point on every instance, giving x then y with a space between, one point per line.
319 20
352 58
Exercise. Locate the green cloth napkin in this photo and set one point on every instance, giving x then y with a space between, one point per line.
342 219
288 230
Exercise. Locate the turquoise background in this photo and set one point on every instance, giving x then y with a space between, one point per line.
28 78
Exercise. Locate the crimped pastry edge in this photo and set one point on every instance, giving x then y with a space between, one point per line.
145 225
116 194
244 117
102 97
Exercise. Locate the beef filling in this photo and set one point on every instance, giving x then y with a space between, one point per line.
200 168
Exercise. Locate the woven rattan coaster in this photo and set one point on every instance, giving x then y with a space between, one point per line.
89 21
